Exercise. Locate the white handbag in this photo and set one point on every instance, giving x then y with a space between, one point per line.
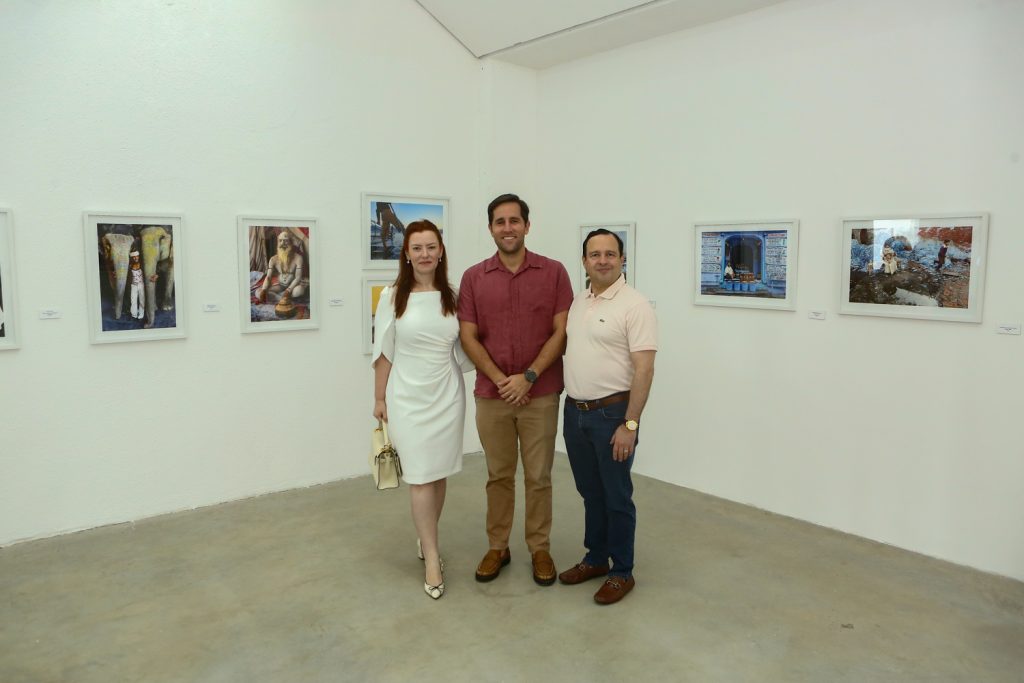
384 462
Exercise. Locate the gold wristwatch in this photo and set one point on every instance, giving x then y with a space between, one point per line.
632 425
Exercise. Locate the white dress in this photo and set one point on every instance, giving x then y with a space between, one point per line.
426 395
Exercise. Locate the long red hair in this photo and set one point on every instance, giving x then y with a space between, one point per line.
405 279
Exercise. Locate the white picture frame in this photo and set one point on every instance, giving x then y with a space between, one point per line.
262 304
372 287
156 236
627 233
923 266
746 264
383 229
9 312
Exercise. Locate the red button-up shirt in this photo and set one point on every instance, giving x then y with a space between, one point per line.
514 313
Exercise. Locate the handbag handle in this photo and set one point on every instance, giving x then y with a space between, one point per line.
383 426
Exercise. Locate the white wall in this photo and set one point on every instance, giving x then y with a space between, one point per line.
212 109
902 431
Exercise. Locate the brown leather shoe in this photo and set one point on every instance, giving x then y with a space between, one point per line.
580 573
543 568
613 590
491 565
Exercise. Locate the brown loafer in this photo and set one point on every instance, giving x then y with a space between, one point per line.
613 590
580 573
491 565
544 572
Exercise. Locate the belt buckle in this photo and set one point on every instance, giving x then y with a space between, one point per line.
582 405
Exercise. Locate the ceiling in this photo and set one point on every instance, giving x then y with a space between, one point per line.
544 33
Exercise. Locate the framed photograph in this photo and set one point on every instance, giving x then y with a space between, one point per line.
746 264
8 300
372 287
384 219
925 266
627 233
134 270
278 274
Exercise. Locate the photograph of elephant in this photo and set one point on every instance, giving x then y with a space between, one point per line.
137 276
133 277
279 273
384 221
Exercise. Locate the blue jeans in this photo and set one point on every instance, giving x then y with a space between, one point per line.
605 485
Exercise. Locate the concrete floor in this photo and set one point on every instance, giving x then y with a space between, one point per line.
323 584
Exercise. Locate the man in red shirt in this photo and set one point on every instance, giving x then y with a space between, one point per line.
513 309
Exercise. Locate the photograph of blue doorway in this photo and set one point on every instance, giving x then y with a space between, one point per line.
752 263
746 264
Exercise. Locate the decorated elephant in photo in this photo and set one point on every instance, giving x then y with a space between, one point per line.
157 261
115 248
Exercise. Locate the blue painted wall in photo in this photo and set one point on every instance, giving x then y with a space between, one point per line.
745 263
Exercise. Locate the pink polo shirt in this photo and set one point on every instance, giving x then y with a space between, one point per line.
513 313
603 330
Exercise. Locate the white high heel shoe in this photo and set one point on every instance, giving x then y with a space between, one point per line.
434 592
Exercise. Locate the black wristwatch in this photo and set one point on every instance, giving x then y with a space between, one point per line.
530 375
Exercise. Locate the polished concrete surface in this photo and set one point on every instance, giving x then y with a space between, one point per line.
323 584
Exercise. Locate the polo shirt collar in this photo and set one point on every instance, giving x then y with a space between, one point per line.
611 291
529 261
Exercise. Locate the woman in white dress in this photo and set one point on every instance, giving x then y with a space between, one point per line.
419 385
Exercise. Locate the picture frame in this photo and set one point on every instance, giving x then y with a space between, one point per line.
8 284
278 273
116 292
385 217
746 264
627 233
922 266
372 287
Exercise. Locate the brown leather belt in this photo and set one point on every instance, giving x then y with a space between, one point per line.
600 402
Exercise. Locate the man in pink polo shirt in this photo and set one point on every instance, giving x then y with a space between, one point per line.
609 367
513 309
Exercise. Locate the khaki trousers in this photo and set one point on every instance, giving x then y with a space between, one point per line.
506 432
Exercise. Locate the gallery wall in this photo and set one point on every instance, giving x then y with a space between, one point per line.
903 431
210 110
